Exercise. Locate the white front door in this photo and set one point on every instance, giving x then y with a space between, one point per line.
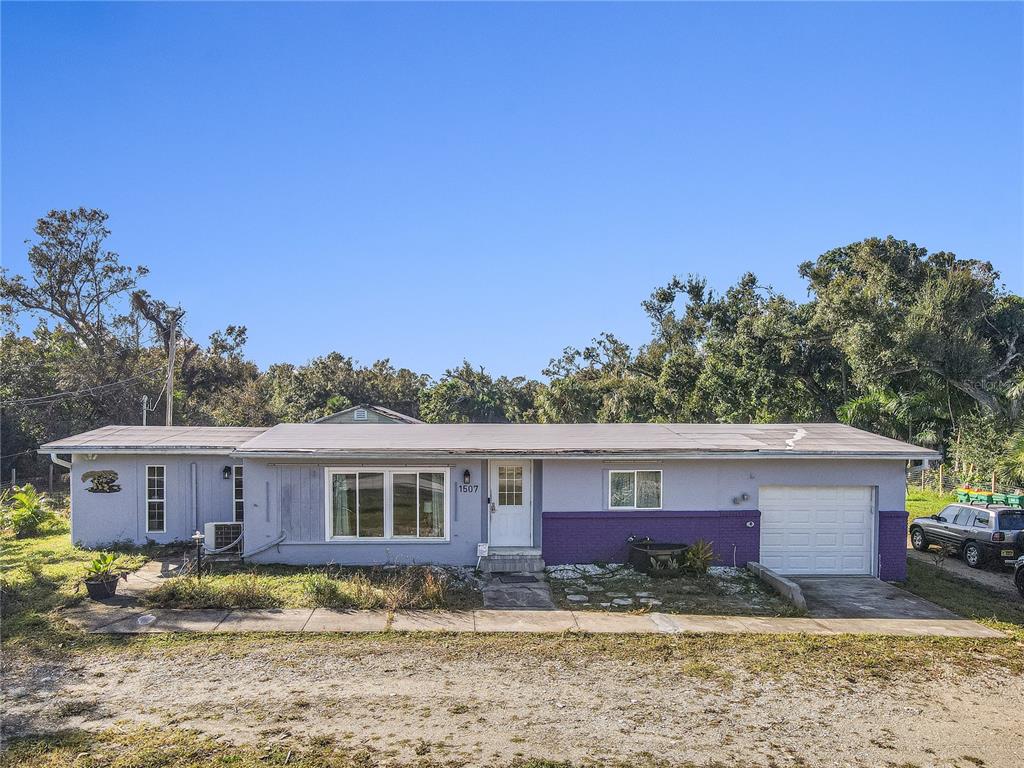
817 529
510 511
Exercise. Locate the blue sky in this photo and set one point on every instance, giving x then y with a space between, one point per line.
495 182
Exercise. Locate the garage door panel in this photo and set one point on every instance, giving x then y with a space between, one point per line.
825 564
828 517
817 529
797 563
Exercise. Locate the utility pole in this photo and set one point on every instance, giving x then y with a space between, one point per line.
169 419
145 408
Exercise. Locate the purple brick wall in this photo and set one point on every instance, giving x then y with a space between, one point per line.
892 546
586 537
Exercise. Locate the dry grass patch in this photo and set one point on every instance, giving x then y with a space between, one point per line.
177 748
276 586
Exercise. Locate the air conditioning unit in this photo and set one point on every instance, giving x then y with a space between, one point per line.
221 535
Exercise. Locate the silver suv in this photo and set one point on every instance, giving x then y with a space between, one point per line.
978 533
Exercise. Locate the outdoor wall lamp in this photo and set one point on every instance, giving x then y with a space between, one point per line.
227 472
466 477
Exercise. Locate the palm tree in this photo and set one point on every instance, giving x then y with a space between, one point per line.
1010 465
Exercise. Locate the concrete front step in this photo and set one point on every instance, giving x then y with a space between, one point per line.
512 560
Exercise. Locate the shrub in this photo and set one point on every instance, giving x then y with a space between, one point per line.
413 587
699 556
28 512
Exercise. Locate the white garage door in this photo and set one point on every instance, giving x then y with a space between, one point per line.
817 529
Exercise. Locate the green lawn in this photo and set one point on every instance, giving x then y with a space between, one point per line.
923 503
38 575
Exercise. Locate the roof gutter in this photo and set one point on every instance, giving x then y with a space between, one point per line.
141 449
591 455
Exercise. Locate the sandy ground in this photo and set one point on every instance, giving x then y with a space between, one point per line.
488 708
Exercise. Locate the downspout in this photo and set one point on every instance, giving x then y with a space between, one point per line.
59 462
195 496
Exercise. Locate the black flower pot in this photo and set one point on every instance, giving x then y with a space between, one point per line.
101 589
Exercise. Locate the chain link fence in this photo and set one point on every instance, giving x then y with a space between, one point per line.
944 479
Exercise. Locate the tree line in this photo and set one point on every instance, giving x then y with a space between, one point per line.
924 347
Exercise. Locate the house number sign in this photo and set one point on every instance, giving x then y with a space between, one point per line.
463 488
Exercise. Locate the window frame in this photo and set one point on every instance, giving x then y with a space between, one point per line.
162 499
969 514
636 489
389 536
517 481
236 470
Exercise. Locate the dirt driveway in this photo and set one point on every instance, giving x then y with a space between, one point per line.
486 707
997 580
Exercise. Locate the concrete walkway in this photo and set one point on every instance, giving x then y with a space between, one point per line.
514 591
120 619
149 575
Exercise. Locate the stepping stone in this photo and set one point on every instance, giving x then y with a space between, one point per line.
577 598
650 601
622 601
645 594
617 594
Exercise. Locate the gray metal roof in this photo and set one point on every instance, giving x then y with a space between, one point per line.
371 441
116 439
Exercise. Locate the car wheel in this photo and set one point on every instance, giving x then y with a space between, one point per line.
917 540
1018 579
972 555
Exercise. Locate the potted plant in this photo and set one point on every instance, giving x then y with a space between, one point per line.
101 576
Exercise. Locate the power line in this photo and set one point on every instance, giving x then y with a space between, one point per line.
20 453
42 399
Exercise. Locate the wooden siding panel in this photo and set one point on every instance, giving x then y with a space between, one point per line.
301 499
